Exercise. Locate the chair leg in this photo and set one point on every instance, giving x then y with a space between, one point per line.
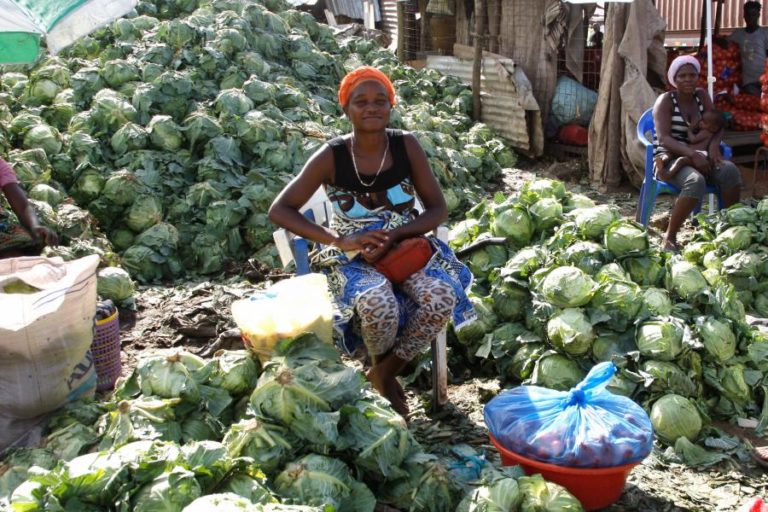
697 209
650 202
641 203
439 371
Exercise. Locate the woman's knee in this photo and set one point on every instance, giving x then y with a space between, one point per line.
377 305
437 298
727 176
694 184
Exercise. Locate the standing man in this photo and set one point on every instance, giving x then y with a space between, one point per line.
596 40
753 43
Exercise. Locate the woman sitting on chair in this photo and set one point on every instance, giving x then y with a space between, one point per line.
673 114
372 177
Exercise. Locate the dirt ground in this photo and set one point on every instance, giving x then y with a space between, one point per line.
196 317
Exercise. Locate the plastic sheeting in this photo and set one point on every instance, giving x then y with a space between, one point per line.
632 49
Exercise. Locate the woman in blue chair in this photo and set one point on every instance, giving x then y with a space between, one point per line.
372 176
673 114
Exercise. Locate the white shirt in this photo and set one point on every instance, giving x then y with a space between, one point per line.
753 52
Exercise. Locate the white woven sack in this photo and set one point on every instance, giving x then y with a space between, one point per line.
45 339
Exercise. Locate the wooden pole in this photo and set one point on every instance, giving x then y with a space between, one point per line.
718 17
478 61
401 30
613 151
703 35
424 24
494 25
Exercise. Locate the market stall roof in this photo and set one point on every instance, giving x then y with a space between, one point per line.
61 22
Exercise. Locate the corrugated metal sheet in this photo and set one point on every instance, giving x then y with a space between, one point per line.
683 17
506 96
352 8
389 18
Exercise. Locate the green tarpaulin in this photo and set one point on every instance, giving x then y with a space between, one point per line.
24 23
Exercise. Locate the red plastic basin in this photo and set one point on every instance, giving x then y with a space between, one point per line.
594 488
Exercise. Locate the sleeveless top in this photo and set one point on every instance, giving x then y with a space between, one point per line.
392 190
678 126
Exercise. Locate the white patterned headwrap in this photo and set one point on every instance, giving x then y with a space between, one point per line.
678 63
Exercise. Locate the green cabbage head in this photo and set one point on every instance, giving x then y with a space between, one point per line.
547 212
502 494
717 336
115 284
515 224
556 371
626 238
567 287
571 331
539 494
686 279
660 339
592 222
656 301
170 491
736 238
675 416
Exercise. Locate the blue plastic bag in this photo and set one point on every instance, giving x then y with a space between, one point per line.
572 102
586 427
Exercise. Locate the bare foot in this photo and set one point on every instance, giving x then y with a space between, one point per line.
670 246
389 388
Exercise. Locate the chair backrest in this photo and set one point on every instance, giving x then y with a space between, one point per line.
645 133
318 207
645 128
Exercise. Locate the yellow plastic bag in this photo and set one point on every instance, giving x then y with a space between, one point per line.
284 310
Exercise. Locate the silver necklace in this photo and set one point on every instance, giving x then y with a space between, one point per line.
381 165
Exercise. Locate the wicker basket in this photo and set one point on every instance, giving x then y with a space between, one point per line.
106 352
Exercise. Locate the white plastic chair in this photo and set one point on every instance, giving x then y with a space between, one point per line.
292 248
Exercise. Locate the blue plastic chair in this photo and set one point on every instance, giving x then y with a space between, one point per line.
292 248
652 186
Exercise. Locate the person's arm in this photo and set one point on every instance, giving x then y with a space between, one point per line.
713 147
662 120
26 214
284 210
697 137
427 188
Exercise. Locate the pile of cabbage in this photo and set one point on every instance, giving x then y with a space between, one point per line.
574 284
731 246
303 431
171 131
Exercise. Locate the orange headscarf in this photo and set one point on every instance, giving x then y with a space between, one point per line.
360 75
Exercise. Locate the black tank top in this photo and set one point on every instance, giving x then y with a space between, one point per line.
392 190
345 177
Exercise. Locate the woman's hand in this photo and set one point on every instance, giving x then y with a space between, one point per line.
47 235
363 240
373 253
701 163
